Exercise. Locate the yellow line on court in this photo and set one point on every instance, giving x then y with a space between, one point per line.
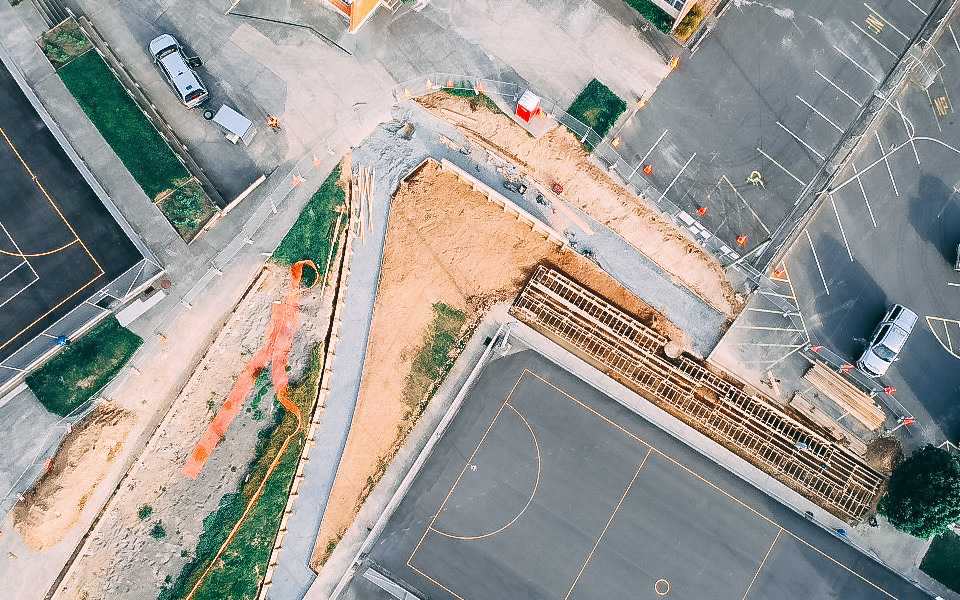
437 583
36 254
762 562
609 521
536 485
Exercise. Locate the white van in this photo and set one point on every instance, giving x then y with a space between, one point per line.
168 55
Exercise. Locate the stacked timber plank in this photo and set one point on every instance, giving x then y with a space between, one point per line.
361 190
854 402
755 429
836 431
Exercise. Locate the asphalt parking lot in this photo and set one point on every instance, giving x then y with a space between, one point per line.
889 234
776 105
543 487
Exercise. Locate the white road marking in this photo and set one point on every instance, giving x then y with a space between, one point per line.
887 161
817 260
936 117
682 169
838 88
820 114
800 141
910 134
857 65
910 2
864 192
639 164
783 168
879 43
892 26
842 234
747 204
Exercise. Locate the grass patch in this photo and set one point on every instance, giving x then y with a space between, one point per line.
187 208
64 42
243 564
689 23
144 511
262 388
942 560
311 237
597 107
141 149
157 532
83 367
652 13
476 100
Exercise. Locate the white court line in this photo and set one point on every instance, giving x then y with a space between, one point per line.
648 153
879 43
10 272
822 116
682 169
817 260
783 168
805 145
19 250
750 208
857 65
909 133
864 192
892 26
842 234
887 161
923 12
933 108
22 290
838 88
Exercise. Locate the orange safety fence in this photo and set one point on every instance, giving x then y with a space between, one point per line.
276 351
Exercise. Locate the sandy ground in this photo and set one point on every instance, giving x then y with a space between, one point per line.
55 503
558 156
123 560
436 252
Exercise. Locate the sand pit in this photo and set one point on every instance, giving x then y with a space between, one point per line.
559 157
53 506
436 252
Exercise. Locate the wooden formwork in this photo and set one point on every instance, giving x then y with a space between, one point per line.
751 426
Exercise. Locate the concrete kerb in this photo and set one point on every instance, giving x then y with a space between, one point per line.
400 489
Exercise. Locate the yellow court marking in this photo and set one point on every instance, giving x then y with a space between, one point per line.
945 324
616 509
536 484
762 562
26 255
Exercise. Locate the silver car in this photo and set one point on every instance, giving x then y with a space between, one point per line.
887 340
168 55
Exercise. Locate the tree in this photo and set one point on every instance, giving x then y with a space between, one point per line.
923 497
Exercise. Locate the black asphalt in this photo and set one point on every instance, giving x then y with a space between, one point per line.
38 224
548 489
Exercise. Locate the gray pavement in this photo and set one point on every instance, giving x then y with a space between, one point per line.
543 487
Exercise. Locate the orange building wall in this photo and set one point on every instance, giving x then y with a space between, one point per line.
359 12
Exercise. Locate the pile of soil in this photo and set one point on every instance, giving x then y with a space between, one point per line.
559 156
436 251
54 504
884 453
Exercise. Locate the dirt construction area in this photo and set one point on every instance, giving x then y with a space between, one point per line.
437 253
151 528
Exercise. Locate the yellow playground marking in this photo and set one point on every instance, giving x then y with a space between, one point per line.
874 23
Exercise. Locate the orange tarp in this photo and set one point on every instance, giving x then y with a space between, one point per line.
276 351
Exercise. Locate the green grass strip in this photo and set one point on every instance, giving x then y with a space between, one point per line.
243 564
83 367
653 13
597 107
942 560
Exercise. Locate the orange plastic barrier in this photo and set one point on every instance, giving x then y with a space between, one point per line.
276 351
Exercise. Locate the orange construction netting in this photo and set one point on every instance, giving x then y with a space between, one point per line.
276 351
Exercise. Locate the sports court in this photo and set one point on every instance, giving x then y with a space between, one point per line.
58 243
544 488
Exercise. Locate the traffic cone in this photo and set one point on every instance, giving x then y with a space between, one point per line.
702 211
648 170
889 390
742 240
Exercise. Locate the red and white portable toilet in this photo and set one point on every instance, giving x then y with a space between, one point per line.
528 106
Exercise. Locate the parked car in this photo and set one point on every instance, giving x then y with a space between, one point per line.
887 341
176 68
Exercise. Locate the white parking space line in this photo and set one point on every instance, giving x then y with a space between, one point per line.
769 293
879 43
820 114
782 168
677 176
953 284
817 260
864 192
923 12
655 144
892 26
838 88
761 328
840 224
910 134
800 141
857 65
954 36
946 92
887 162
933 108
772 312
747 204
